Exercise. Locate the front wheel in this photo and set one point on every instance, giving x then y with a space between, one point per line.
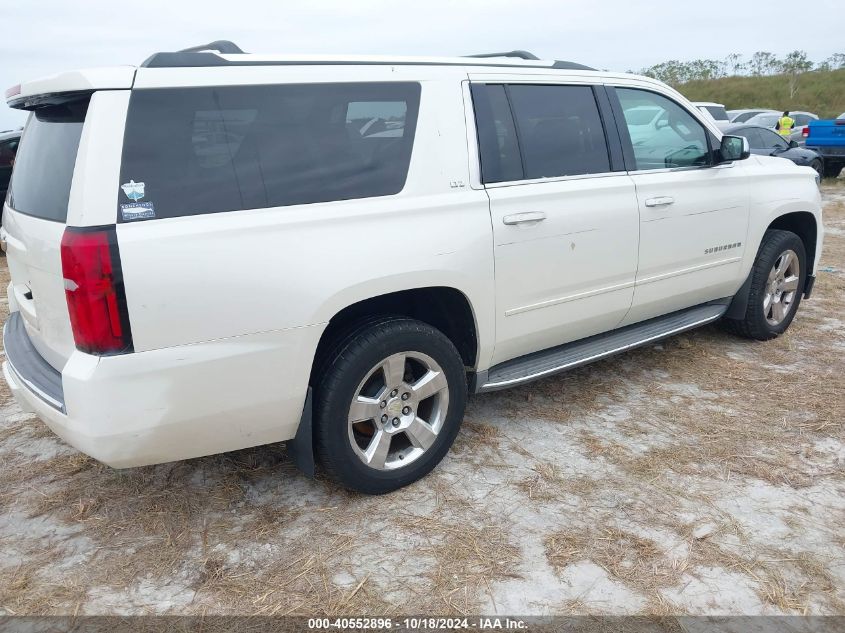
777 283
389 405
818 166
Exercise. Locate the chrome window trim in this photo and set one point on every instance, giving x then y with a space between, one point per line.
539 181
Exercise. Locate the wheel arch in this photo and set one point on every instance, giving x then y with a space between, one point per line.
805 226
443 307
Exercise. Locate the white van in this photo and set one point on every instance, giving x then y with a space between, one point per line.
218 250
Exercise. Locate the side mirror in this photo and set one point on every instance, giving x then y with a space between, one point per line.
734 148
793 144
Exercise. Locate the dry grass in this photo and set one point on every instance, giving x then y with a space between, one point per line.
623 555
548 483
646 448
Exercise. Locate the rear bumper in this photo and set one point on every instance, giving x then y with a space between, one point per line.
829 152
175 403
27 366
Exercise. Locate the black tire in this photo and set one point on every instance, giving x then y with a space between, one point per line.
349 363
818 166
832 170
754 324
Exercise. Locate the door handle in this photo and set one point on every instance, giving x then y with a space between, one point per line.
660 201
524 218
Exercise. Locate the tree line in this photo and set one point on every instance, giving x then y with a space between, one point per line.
761 63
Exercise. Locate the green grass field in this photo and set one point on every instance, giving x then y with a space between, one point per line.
822 92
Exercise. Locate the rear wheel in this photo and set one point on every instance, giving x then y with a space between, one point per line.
389 405
818 166
777 283
832 170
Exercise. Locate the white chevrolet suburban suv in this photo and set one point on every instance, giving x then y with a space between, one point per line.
217 250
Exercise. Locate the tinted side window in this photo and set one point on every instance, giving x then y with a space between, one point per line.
207 150
717 113
46 159
560 130
755 141
676 139
771 140
7 152
500 160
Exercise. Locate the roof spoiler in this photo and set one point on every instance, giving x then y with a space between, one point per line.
68 86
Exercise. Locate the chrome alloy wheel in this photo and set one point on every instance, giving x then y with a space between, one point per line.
781 287
398 410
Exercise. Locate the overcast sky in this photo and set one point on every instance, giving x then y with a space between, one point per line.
46 36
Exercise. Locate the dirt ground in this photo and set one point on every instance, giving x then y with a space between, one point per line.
704 474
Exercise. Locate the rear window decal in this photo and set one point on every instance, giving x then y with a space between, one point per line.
133 190
137 211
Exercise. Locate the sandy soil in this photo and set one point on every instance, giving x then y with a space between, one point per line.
705 474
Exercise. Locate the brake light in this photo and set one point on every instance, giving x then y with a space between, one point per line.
94 290
14 91
805 132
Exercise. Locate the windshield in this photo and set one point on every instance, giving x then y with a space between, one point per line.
45 161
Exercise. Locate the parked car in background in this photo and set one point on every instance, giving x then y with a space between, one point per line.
8 148
770 120
741 116
716 111
766 142
827 137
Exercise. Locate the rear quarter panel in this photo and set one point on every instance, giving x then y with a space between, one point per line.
201 278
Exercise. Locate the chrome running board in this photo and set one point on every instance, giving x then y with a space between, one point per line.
557 359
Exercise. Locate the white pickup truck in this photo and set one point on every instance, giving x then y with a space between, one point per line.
218 250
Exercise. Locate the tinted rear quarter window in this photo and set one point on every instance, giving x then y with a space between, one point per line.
45 161
215 149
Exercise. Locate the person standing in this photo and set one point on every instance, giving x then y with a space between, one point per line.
785 124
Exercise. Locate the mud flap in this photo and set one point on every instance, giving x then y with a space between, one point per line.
301 447
739 303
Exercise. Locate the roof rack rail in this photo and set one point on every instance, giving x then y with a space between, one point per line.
563 65
224 47
519 54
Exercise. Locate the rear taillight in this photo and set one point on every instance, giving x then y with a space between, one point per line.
94 289
805 132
